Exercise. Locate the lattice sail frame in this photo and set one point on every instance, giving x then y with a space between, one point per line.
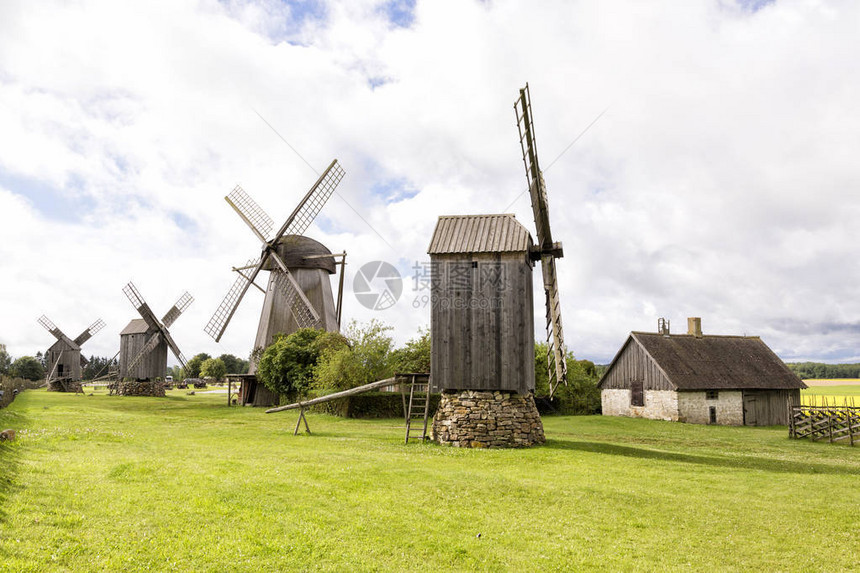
296 224
556 350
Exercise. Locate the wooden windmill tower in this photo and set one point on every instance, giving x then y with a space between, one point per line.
299 293
143 346
482 317
63 359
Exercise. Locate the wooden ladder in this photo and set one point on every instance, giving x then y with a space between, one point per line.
419 407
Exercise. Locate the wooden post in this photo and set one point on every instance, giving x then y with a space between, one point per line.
229 390
300 420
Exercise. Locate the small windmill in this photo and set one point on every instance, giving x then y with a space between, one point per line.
299 292
64 359
545 249
144 342
482 317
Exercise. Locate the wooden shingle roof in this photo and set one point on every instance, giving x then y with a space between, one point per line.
479 234
136 326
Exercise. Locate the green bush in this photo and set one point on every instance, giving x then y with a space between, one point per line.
287 365
366 359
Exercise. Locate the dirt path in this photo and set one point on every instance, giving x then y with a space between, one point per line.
839 382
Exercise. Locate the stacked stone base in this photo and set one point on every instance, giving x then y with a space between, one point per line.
485 419
71 386
141 388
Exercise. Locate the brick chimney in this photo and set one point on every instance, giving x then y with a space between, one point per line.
694 326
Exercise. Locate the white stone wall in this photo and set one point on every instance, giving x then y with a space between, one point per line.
659 404
694 407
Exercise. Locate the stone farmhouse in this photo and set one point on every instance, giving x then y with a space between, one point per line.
700 379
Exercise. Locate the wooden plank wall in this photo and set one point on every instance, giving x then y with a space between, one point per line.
70 360
768 407
483 332
635 364
151 367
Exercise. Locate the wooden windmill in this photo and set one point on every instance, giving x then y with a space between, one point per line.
63 359
482 317
144 343
299 293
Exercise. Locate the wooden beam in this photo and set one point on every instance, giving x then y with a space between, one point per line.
336 395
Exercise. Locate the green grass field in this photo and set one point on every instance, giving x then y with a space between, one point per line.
184 483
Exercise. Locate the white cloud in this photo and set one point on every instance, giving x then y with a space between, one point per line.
719 182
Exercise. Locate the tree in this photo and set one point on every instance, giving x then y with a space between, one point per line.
234 364
192 369
581 395
415 355
213 368
366 359
28 368
287 365
97 366
5 361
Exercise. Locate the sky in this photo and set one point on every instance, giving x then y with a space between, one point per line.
700 157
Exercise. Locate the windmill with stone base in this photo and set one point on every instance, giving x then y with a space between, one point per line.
143 345
299 293
482 316
63 359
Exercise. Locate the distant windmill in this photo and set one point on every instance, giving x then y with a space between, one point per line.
144 343
63 359
482 317
299 293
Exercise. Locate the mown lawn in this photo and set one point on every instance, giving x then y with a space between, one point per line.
186 484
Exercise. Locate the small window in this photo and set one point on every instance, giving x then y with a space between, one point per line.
637 393
712 395
712 415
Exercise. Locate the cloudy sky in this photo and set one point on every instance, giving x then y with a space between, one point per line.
720 181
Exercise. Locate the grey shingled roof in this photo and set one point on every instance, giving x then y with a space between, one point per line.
136 326
718 362
479 234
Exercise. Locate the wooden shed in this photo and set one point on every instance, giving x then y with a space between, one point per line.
482 311
697 378
132 339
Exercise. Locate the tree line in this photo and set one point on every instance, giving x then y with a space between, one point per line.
819 370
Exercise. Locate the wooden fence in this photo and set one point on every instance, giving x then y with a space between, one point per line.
833 423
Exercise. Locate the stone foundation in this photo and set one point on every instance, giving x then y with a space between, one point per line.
484 419
71 386
141 388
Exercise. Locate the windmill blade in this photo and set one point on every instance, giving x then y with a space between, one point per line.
138 303
144 352
84 361
89 332
305 313
253 215
534 176
219 321
177 309
174 347
556 350
58 334
305 212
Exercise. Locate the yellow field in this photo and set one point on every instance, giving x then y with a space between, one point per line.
831 393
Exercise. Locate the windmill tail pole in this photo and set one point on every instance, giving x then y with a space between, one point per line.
335 396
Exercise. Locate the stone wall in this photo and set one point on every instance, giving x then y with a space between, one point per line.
485 419
141 388
70 386
694 407
659 404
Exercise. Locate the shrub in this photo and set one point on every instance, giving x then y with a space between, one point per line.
365 360
28 368
287 365
415 355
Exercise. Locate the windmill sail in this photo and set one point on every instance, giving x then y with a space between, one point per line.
89 332
556 350
177 309
260 223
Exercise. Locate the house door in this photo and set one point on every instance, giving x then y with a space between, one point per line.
750 417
